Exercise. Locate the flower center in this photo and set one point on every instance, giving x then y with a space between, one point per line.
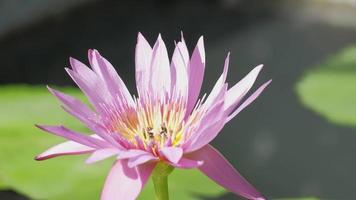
149 124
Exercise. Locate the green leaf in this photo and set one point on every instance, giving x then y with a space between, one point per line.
330 88
65 177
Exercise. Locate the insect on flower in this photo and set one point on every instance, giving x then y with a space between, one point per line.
166 123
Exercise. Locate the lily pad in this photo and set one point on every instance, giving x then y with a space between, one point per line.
330 88
65 177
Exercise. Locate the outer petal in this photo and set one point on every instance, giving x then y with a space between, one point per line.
93 87
186 163
179 74
214 94
141 159
136 157
102 154
160 79
74 136
173 154
75 107
131 153
249 100
221 171
209 131
240 89
196 74
210 125
125 183
108 74
143 58
84 114
65 148
184 51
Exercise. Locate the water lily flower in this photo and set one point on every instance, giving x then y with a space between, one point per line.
167 126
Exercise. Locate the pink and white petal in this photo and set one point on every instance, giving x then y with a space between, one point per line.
186 163
74 136
196 74
136 156
248 101
220 83
80 67
76 64
172 154
75 107
184 51
108 74
101 154
94 125
179 74
131 153
143 57
160 79
112 138
65 148
208 132
126 183
93 87
206 137
210 125
217 168
140 159
240 89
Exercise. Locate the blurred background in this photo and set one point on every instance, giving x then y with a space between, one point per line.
296 141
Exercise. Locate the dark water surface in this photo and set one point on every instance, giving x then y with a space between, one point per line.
284 149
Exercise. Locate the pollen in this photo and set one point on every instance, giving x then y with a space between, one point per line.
152 125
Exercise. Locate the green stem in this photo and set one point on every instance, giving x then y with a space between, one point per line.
160 180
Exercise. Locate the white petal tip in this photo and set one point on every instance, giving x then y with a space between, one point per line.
260 66
140 37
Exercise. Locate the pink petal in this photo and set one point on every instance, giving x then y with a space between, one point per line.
220 83
140 159
249 100
111 138
196 74
173 154
136 157
240 89
101 154
185 163
160 80
184 51
126 183
179 74
93 87
65 148
222 172
79 67
108 74
143 58
131 153
211 123
75 107
74 136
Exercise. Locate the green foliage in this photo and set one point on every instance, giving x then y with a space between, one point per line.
330 89
300 198
65 177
